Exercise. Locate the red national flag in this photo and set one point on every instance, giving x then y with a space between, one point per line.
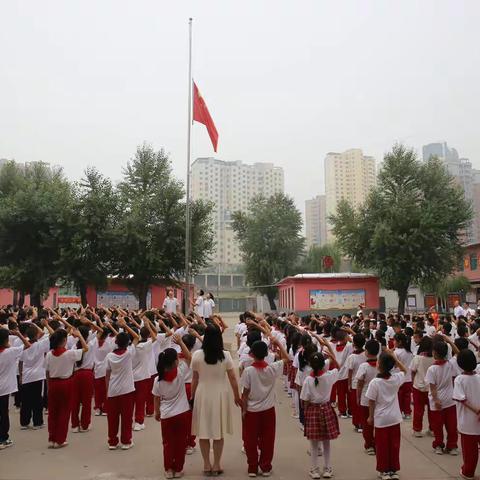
202 115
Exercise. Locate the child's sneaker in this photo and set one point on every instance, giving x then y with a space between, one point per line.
452 451
190 450
417 434
327 472
439 450
344 416
178 474
25 427
394 476
315 473
127 446
252 475
386 476
267 474
98 412
75 430
7 443
370 451
113 447
38 427
169 474
138 427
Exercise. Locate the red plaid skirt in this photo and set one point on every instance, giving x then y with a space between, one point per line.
321 422
291 376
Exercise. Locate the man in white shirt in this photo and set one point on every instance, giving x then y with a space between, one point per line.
170 304
458 311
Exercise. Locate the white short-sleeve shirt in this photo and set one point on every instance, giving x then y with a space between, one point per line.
467 388
384 392
367 373
62 366
420 364
170 305
319 393
121 372
142 361
33 358
353 363
8 369
173 396
261 383
442 377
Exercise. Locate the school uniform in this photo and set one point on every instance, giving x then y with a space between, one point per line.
174 408
353 363
367 371
33 375
82 389
420 364
170 305
188 389
467 389
259 420
321 421
441 374
340 389
208 306
59 364
386 418
8 385
405 391
101 349
120 395
142 378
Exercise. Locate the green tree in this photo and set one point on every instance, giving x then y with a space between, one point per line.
150 233
87 256
313 261
410 229
34 207
270 241
451 284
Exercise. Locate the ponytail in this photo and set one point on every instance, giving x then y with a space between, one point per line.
166 360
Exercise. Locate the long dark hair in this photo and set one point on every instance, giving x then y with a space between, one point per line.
213 345
317 362
84 332
166 360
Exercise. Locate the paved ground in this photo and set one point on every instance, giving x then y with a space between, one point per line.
87 456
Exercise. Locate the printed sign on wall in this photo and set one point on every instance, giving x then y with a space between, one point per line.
336 299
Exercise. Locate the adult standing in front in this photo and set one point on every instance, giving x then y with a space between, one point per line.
212 408
458 311
208 306
170 304
198 304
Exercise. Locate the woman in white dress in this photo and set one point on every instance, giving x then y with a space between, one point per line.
213 407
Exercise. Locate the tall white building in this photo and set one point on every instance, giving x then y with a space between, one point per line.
231 186
349 175
316 221
466 177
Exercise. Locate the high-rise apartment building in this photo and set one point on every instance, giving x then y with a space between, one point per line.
349 175
315 221
231 186
466 177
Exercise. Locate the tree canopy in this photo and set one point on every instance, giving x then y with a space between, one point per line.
411 228
270 241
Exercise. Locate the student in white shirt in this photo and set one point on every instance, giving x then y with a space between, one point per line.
60 363
421 362
443 412
121 388
353 363
405 356
172 407
258 399
8 380
103 345
343 348
32 375
466 392
199 304
170 304
367 371
385 415
208 306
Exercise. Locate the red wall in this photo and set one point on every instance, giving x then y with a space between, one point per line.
302 286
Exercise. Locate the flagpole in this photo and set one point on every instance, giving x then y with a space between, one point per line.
187 206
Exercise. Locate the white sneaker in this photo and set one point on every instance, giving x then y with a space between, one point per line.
394 476
327 472
38 427
113 447
266 474
178 474
190 450
25 427
295 415
252 475
75 430
439 450
243 451
97 412
344 416
386 476
315 473
169 474
138 427
370 451
452 451
417 434
127 446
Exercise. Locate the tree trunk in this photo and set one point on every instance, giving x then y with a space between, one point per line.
402 299
21 298
271 300
83 294
142 297
15 298
35 299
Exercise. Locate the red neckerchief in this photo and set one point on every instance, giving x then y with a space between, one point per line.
319 374
261 364
119 351
469 373
181 355
372 362
59 351
2 349
440 362
340 347
424 354
171 375
358 352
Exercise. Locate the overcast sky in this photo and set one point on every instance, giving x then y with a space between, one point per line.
83 82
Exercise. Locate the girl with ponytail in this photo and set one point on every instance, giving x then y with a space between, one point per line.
405 355
321 421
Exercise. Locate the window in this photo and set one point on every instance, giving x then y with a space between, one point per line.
473 261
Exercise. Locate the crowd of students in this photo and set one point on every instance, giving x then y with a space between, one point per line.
131 364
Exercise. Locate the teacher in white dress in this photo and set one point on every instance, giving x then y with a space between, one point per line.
213 371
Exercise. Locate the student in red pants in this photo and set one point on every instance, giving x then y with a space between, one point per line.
82 386
367 371
405 356
121 388
419 366
343 348
466 392
105 343
59 365
258 406
443 411
385 415
172 406
353 363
